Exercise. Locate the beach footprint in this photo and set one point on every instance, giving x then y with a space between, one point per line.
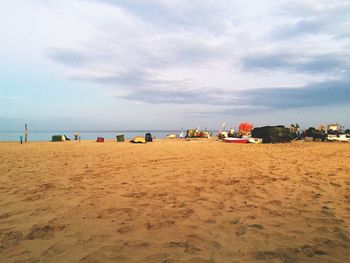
158 258
43 232
10 239
56 249
198 260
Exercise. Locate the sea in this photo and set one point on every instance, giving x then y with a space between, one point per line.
42 136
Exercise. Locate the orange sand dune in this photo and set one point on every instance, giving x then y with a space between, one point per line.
174 201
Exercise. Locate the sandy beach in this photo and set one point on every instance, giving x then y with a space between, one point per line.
174 201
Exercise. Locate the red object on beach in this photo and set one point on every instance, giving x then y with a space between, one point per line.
100 139
245 128
234 140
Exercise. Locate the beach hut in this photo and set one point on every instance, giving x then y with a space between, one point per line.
120 137
100 139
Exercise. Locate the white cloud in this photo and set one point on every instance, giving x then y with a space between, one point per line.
176 46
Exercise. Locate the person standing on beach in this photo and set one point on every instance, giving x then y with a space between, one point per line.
25 132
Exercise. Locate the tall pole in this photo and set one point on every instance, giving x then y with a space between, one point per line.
25 132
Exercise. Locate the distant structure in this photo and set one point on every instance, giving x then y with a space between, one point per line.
25 132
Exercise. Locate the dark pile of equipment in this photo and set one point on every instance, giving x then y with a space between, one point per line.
274 134
315 134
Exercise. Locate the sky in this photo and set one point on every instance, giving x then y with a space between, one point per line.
167 64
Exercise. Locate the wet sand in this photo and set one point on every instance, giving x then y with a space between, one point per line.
174 201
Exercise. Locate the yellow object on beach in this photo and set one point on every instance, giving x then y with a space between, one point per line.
171 136
139 139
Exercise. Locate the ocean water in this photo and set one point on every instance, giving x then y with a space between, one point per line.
84 135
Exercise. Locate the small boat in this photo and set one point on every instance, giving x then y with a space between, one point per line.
337 138
255 140
59 138
234 140
138 139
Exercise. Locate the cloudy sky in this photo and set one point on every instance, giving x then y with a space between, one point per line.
167 64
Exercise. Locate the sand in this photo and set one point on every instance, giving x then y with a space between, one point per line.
174 201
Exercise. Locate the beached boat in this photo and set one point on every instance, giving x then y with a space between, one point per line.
59 138
338 138
222 135
234 140
255 140
138 139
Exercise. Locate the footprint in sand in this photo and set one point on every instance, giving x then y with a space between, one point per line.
56 249
234 221
241 230
10 239
327 211
77 178
122 214
135 195
34 198
198 260
290 254
124 229
186 247
41 210
257 226
97 256
99 238
343 235
159 224
43 232
175 244
156 258
275 202
210 221
4 215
